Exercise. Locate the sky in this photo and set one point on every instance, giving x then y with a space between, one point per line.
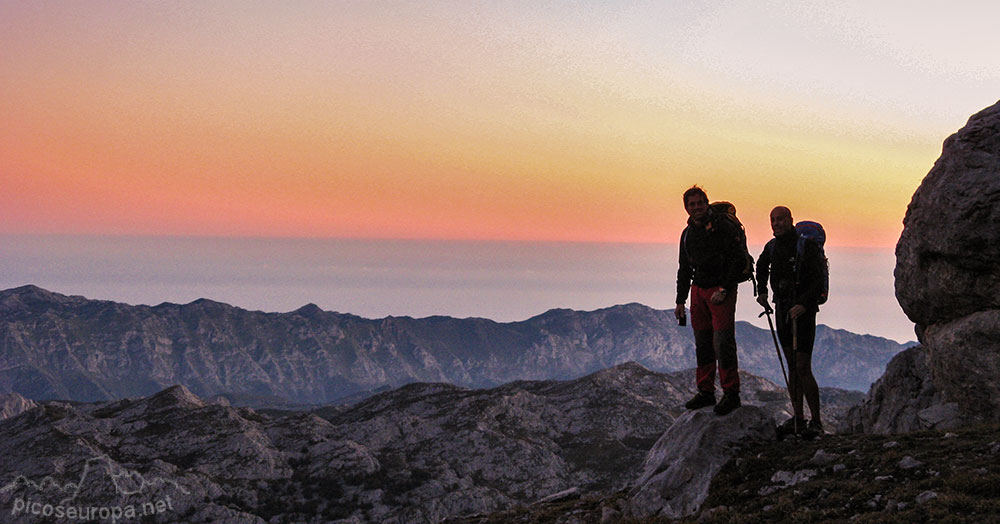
508 120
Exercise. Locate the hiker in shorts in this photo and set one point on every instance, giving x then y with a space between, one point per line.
710 264
796 279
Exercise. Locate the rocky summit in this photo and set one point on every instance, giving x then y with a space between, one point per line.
54 346
420 453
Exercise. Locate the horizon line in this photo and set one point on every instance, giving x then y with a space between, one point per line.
456 240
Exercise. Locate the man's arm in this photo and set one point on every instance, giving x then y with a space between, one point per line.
763 273
683 273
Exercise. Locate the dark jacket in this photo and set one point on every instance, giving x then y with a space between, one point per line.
710 256
778 260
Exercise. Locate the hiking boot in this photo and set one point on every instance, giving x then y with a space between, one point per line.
729 402
701 400
792 426
808 433
816 426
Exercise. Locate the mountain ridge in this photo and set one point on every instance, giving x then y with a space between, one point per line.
74 348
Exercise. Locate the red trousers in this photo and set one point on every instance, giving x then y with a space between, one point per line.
715 340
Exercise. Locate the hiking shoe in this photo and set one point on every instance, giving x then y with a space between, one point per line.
808 433
701 400
792 426
729 402
816 426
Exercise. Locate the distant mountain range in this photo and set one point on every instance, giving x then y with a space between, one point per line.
54 346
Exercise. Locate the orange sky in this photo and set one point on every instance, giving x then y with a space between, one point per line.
445 120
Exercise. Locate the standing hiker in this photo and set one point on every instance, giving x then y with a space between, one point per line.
797 273
712 262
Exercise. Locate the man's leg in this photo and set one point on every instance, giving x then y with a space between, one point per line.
803 362
724 343
794 382
705 353
705 374
701 324
784 328
810 389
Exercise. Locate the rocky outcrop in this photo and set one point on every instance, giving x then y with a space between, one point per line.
58 347
419 453
904 400
948 282
12 405
678 470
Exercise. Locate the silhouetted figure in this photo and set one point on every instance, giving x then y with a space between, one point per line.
795 266
711 264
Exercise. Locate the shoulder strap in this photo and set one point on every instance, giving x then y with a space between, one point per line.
800 255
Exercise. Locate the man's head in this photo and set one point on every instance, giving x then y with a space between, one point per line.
696 203
781 221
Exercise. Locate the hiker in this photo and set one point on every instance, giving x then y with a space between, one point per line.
796 269
711 263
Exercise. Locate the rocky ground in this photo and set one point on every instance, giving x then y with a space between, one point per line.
920 477
421 453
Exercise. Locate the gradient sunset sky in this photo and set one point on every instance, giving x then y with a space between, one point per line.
567 121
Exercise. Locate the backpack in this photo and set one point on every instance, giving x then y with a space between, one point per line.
723 210
810 231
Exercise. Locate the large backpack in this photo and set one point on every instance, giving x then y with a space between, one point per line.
723 210
810 231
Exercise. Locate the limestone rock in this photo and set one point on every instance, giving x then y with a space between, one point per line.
893 402
909 462
792 478
941 416
12 405
964 360
947 256
682 463
564 495
822 458
905 399
420 453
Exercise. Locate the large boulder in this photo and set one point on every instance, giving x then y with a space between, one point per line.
682 463
948 256
948 282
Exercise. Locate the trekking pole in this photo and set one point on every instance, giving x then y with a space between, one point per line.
795 349
777 349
